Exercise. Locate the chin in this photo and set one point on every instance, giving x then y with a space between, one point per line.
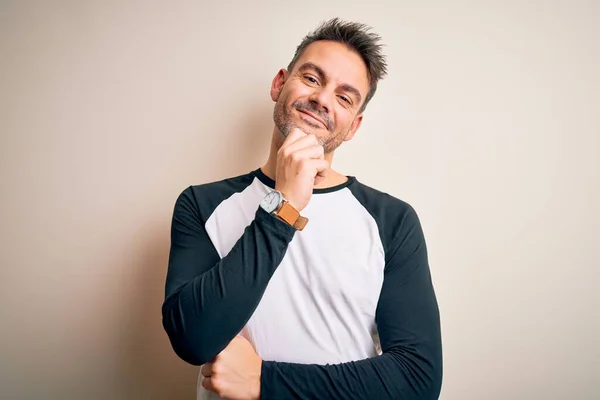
307 127
318 132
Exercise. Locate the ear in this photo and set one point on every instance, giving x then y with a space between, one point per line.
278 83
354 127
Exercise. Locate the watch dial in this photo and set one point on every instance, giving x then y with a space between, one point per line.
271 202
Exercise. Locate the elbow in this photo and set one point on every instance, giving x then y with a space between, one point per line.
185 341
428 373
436 373
423 375
433 386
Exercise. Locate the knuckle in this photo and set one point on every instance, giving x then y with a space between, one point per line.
205 382
217 368
217 385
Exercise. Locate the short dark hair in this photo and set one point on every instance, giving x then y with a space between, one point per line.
358 37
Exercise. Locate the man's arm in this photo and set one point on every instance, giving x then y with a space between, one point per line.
208 299
408 322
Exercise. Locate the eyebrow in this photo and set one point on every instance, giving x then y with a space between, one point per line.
345 87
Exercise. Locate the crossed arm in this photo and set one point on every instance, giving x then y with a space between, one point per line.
209 300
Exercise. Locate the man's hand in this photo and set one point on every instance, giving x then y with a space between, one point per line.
300 166
235 372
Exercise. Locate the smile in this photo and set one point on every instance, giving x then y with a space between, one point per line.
313 118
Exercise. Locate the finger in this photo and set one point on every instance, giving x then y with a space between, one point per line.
312 152
207 370
311 169
298 141
318 179
320 166
301 143
293 135
208 384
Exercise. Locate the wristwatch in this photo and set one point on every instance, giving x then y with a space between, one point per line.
276 205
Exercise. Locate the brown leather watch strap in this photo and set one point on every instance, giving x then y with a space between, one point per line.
301 223
290 215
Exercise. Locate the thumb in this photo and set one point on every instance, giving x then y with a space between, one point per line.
321 166
318 179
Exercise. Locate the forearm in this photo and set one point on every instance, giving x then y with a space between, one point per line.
204 315
396 374
408 324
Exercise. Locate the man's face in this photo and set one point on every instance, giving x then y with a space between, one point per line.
322 94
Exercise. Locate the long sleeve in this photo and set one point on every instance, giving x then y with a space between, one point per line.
208 300
407 318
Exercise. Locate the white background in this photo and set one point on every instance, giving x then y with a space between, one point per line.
488 124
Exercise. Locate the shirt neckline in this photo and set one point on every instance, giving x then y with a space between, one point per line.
271 183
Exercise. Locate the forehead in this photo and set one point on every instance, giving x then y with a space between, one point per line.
340 63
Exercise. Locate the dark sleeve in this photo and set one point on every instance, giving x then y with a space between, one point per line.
407 318
208 300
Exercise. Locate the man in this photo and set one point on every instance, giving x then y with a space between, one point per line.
294 281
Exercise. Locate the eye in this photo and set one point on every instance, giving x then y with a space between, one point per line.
311 79
345 99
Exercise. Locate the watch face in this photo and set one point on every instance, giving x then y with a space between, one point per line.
271 201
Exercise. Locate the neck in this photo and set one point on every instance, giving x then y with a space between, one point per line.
332 178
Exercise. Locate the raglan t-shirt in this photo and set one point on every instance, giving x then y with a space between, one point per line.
344 309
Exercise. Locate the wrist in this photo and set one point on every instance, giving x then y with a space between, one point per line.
293 204
287 198
276 204
290 200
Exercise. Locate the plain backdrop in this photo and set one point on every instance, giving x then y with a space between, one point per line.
488 124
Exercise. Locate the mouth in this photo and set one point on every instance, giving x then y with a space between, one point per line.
314 118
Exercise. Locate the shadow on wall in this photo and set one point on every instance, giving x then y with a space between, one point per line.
149 368
249 148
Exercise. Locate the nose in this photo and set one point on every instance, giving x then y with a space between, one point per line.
321 99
